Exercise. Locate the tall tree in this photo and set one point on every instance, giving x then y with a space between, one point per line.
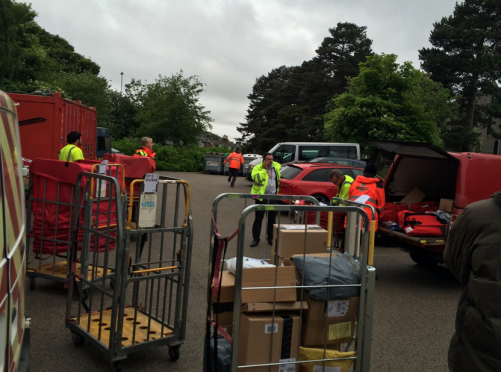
387 101
169 109
122 120
466 58
289 102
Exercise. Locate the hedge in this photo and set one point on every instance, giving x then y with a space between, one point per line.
169 158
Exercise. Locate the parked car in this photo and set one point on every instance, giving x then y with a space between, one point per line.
313 179
291 152
340 161
115 151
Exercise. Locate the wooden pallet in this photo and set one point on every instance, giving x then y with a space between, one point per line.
59 269
140 323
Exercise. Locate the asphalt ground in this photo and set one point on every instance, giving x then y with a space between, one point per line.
413 318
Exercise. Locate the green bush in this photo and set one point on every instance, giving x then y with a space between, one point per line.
169 158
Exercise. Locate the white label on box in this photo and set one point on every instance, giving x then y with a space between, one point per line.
150 183
287 367
300 227
268 328
318 368
338 308
147 210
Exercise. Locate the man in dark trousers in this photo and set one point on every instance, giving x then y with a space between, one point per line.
266 177
236 161
473 255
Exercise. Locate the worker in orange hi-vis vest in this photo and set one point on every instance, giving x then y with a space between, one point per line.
236 161
146 149
368 184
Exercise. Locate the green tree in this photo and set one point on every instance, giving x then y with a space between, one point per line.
169 109
289 103
122 120
466 58
387 101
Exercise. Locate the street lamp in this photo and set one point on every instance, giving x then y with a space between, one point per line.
121 81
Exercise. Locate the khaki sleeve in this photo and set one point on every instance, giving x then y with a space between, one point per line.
459 248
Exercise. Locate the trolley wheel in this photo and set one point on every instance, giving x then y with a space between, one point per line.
174 353
32 283
78 339
116 366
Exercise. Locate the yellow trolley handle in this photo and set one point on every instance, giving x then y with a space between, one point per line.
329 229
131 200
372 239
93 182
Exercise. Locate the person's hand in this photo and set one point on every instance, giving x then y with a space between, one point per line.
267 164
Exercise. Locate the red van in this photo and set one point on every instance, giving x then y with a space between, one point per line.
463 177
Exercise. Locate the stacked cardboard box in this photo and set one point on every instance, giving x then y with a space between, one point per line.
269 320
297 239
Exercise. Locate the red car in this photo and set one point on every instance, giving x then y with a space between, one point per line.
313 179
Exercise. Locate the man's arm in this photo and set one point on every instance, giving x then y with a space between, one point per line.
457 254
77 154
227 159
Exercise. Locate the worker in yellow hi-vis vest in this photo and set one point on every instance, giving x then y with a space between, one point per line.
71 152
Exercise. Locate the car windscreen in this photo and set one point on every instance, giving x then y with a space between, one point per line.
289 172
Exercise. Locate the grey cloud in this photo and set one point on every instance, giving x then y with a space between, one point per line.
228 43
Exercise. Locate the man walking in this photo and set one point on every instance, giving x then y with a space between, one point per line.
236 161
146 149
266 177
71 152
473 255
368 184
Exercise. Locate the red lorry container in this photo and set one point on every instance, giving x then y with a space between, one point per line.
463 178
45 121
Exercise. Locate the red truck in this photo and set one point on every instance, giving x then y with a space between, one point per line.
459 177
45 121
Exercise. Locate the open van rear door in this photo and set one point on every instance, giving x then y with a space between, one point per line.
415 149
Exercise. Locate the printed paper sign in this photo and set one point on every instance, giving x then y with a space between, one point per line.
338 331
318 368
268 328
102 188
362 199
287 367
150 183
338 308
147 210
102 167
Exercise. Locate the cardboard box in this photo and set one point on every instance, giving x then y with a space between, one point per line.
261 277
255 340
446 205
281 260
225 319
291 239
341 315
415 196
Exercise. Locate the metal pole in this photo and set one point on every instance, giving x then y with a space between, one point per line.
121 82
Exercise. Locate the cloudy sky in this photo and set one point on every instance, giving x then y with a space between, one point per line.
228 43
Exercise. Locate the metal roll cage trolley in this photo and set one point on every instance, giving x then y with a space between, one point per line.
53 197
361 243
151 312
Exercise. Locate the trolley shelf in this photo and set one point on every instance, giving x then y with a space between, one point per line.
59 270
128 327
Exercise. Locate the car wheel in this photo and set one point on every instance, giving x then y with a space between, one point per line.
321 198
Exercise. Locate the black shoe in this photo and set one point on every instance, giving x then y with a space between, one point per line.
232 185
254 243
229 179
270 241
